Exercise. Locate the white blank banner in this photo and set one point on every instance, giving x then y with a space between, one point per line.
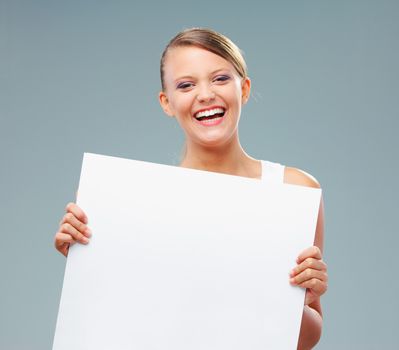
183 259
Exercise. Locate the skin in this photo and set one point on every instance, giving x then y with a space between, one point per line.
218 149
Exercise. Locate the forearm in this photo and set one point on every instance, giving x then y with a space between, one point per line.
310 328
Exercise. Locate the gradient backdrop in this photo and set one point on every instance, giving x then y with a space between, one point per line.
80 76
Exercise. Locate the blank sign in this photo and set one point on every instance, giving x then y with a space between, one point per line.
184 259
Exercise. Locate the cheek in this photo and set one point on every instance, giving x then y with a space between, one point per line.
182 104
234 98
234 93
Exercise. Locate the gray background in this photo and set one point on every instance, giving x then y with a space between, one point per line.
80 76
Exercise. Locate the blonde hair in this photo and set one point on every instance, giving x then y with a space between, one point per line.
210 40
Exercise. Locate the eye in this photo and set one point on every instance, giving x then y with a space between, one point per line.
183 85
222 78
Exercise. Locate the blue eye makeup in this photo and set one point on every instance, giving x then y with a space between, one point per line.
222 78
183 85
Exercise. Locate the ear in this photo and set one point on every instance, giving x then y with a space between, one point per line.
164 102
245 90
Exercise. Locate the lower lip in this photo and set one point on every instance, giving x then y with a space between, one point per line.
210 122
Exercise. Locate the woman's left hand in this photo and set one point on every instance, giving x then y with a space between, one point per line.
310 273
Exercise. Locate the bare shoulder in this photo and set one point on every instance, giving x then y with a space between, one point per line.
299 177
295 176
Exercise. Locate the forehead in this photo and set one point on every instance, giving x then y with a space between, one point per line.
191 60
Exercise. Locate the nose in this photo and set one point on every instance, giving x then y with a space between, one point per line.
205 94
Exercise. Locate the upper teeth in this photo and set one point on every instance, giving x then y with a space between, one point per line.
209 112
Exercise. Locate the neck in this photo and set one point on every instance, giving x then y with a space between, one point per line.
229 158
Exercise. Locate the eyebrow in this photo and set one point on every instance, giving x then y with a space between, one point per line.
189 76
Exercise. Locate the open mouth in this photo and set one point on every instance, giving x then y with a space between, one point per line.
210 114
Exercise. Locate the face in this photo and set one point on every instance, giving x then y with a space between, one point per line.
204 92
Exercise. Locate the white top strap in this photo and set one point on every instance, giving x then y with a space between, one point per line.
272 172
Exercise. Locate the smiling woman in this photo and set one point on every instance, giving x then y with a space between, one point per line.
204 86
205 101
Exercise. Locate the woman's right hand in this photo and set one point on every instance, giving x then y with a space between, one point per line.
73 228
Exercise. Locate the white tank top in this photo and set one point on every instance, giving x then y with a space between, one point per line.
272 172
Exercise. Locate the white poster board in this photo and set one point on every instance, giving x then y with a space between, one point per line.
184 259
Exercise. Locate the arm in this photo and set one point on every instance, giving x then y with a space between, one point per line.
311 271
312 317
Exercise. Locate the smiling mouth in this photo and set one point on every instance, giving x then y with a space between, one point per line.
217 115
210 115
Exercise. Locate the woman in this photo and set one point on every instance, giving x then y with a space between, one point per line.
204 85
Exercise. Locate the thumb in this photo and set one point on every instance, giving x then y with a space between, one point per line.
309 297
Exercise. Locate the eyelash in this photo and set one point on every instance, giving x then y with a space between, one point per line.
220 78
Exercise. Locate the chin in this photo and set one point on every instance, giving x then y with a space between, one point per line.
213 143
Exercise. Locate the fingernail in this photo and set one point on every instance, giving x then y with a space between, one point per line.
88 232
85 240
292 280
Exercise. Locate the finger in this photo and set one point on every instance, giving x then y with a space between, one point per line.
309 274
64 249
77 236
309 263
77 211
79 225
311 252
62 242
62 238
316 286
